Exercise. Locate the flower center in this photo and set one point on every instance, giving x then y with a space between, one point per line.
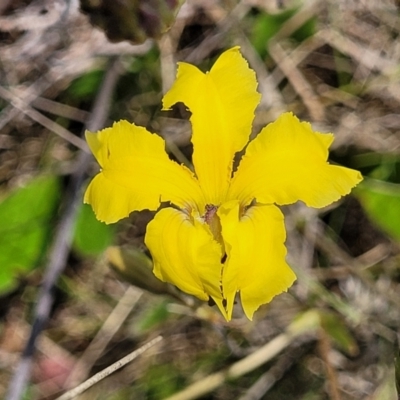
211 218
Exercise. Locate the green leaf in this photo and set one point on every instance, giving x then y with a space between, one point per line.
338 332
91 236
85 86
26 217
381 200
266 25
152 317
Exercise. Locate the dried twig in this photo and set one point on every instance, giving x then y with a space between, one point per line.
299 83
108 371
306 324
43 120
104 335
60 109
324 349
370 59
267 380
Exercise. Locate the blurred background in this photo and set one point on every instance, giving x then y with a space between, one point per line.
64 70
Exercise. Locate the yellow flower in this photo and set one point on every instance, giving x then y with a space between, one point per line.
223 233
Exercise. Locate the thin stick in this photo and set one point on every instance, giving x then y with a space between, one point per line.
43 120
249 363
307 323
267 380
298 81
110 327
27 96
324 349
60 109
108 371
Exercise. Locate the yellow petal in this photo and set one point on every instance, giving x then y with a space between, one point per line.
287 162
222 103
255 263
184 253
136 174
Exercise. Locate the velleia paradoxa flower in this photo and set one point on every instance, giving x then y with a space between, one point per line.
223 232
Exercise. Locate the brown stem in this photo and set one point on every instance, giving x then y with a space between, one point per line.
324 346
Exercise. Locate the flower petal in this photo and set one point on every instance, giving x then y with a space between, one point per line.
255 263
287 162
222 103
185 253
136 174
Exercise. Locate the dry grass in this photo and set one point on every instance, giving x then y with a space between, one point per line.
343 77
